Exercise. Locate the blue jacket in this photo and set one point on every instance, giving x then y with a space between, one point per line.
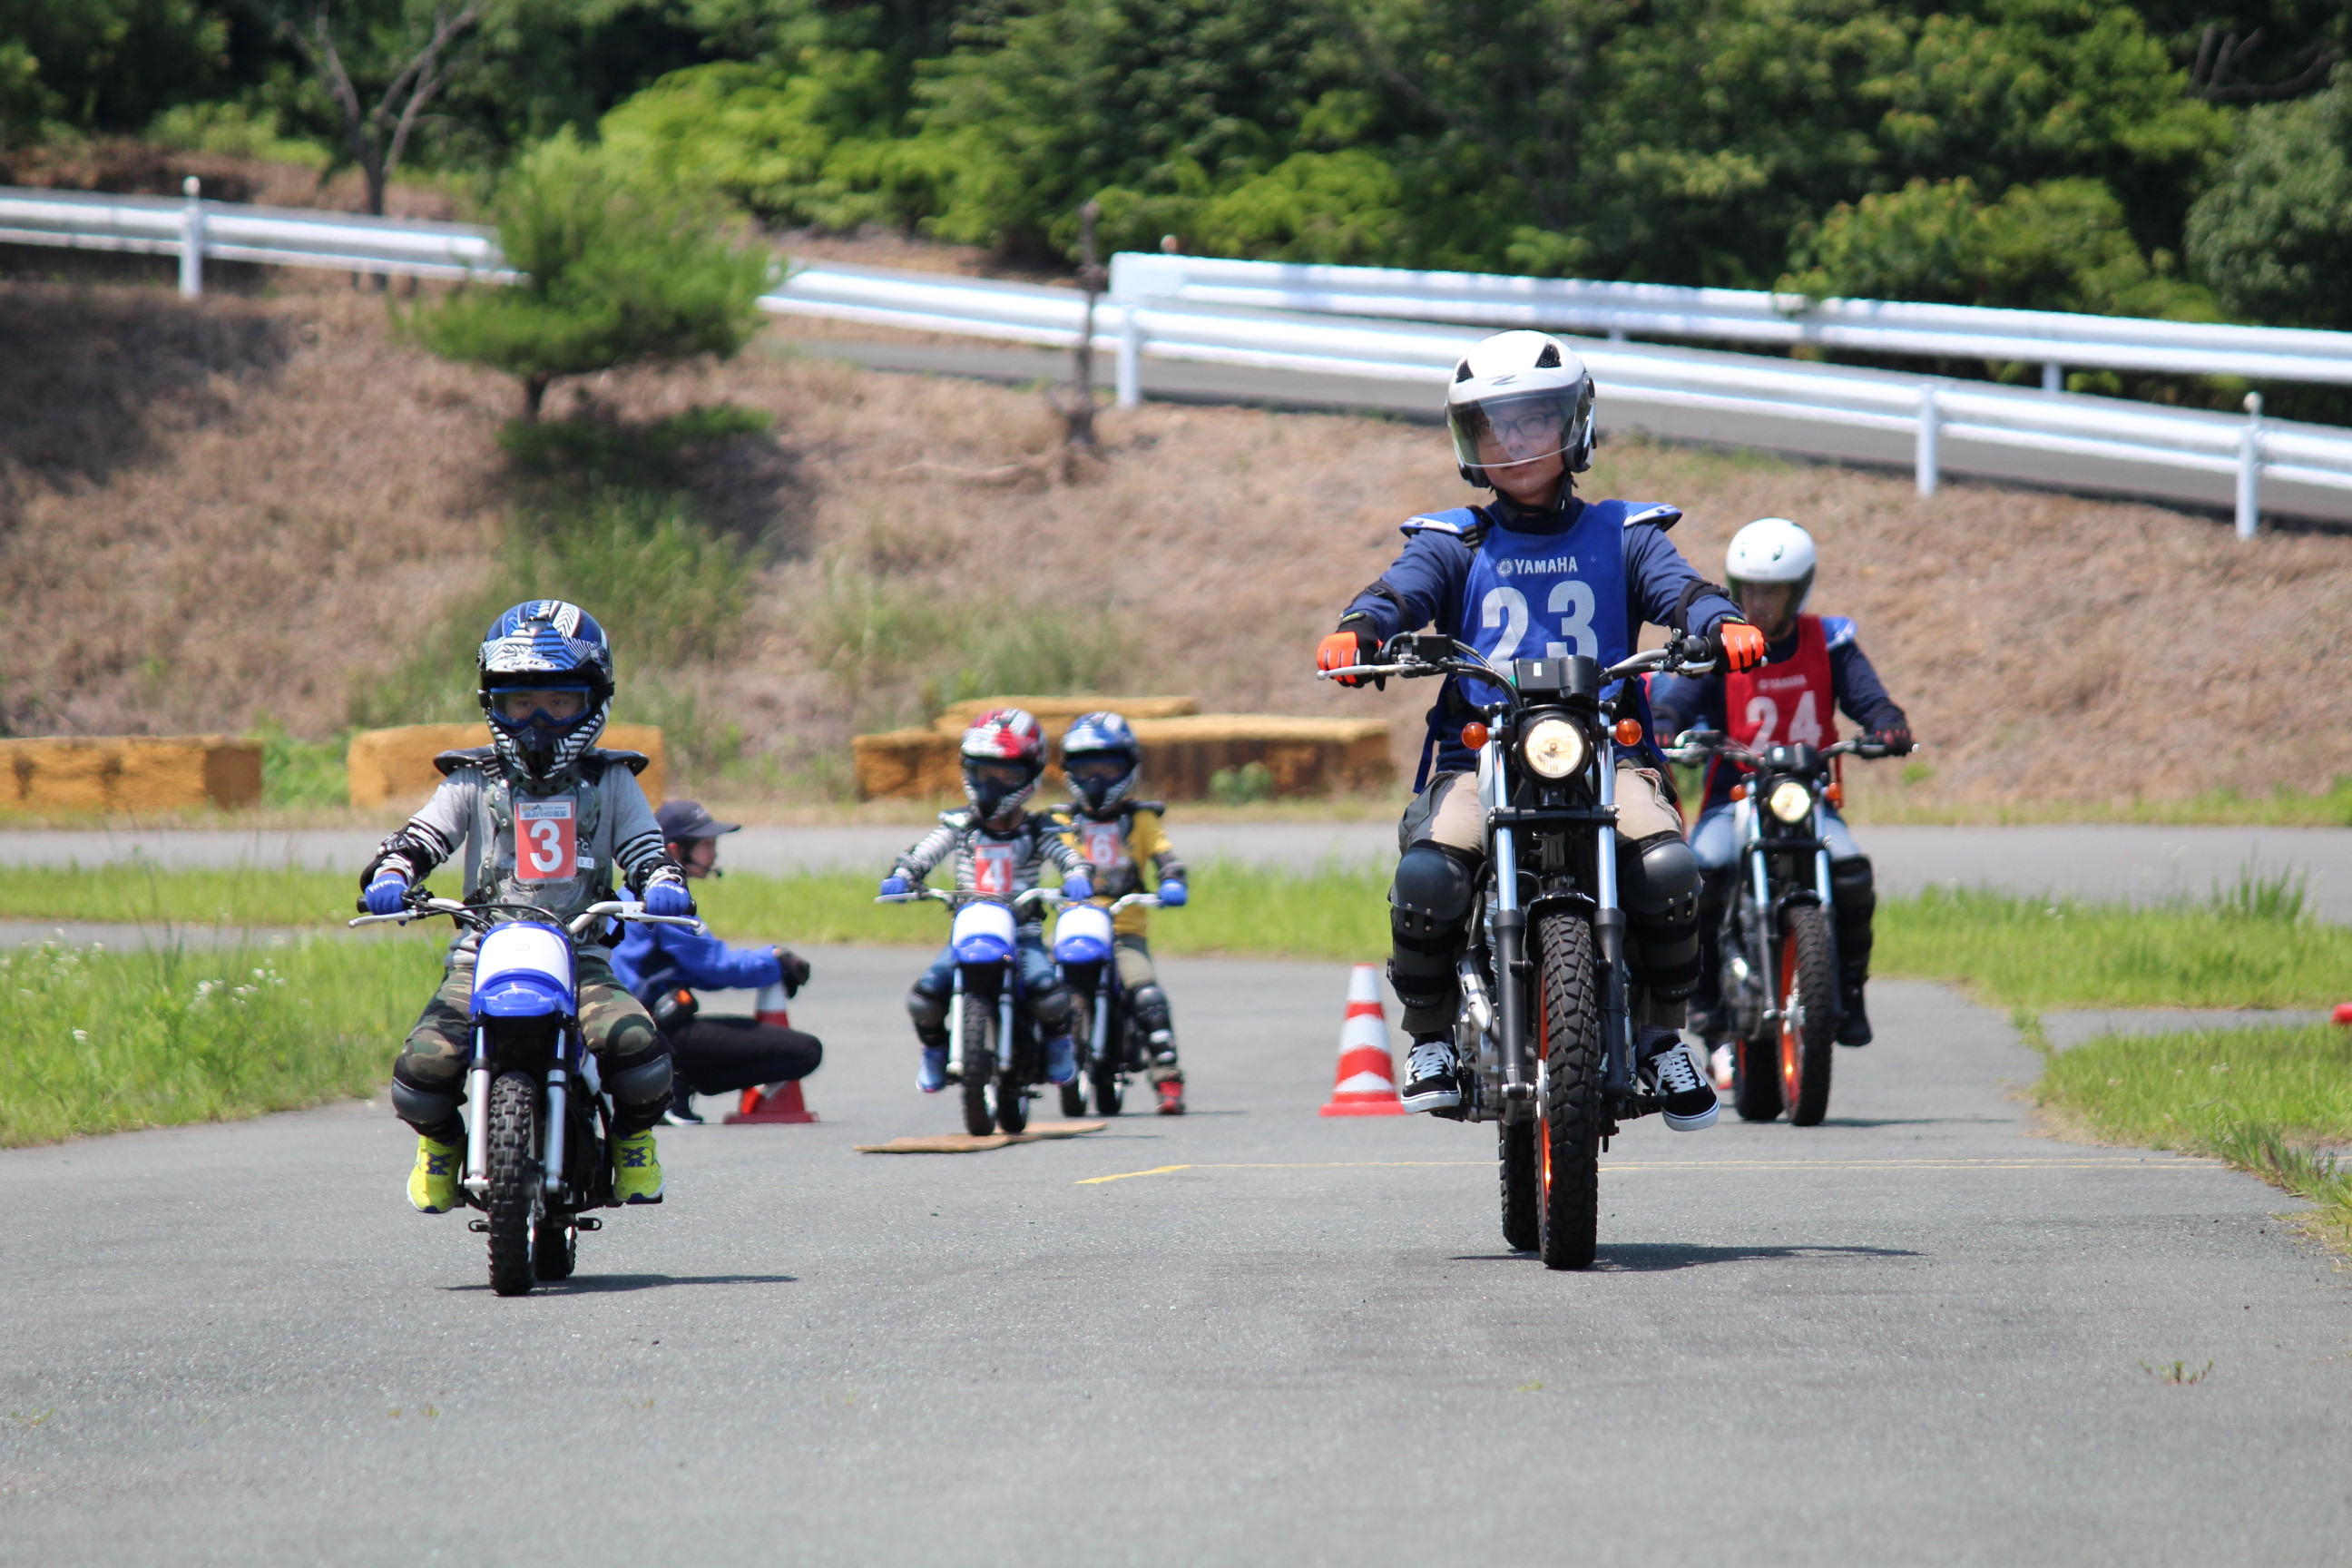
1427 586
1696 702
654 958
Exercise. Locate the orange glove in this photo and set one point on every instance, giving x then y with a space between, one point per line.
1742 644
1341 650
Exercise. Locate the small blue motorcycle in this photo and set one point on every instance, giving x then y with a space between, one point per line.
1110 1048
993 1052
535 1150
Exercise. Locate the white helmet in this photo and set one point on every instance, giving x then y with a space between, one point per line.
1519 397
1769 571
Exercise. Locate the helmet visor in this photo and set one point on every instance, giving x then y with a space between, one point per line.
1003 778
1771 607
1101 767
1509 428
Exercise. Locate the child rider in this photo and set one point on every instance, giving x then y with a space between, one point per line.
1115 835
544 678
997 848
1811 664
1538 572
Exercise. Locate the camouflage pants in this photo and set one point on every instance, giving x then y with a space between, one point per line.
614 1025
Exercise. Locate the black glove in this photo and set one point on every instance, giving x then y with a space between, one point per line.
795 968
1895 737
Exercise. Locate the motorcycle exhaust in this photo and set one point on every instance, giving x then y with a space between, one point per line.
1475 998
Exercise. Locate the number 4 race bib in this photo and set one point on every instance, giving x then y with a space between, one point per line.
547 841
991 869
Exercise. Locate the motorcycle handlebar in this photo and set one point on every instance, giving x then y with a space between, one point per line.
964 896
1686 657
478 916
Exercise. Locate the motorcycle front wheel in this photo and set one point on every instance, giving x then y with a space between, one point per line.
1567 1141
979 1069
1808 1014
1074 1093
513 1201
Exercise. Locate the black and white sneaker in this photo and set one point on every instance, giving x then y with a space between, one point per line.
1686 1098
1430 1080
681 1112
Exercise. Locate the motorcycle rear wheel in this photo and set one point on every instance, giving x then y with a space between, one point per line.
1808 1014
513 1201
1567 1143
1756 1079
1011 1101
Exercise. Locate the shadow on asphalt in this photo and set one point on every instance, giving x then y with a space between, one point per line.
592 1284
1659 1257
1915 1120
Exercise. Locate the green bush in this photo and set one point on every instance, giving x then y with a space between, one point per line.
2273 236
620 267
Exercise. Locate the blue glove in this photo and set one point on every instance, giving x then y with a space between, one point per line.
668 899
1076 889
1173 895
384 894
894 886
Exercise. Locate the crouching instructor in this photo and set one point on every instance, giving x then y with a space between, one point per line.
656 963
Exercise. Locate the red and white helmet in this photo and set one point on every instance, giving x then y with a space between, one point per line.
1004 756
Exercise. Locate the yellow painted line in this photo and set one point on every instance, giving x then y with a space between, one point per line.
2171 1164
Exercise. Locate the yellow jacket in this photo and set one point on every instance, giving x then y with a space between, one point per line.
1116 848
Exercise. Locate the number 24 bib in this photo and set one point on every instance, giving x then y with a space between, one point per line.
1792 702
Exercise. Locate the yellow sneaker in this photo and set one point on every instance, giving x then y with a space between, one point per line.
433 1184
637 1169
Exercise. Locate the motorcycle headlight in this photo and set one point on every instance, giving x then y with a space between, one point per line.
1789 801
1554 748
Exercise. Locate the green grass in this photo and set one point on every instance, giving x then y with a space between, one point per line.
99 1042
2260 1099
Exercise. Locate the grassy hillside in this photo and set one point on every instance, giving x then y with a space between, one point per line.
269 511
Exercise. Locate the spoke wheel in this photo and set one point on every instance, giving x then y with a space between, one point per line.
1808 1014
513 1201
1567 1136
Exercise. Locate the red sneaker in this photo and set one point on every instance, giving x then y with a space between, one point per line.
1171 1097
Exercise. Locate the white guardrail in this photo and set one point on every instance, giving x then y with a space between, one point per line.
2067 440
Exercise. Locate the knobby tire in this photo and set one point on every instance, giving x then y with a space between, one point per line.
1568 1036
513 1199
979 1068
1808 1013
1522 1183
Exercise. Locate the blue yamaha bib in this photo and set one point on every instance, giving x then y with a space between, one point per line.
1549 595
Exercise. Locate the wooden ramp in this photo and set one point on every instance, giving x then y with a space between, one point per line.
966 1143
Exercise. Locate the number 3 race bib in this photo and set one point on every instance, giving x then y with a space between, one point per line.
547 841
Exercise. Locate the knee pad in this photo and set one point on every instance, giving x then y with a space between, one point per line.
1430 898
1149 1006
431 1111
930 1015
1661 891
1052 1011
644 1082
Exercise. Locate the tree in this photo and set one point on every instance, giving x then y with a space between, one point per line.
381 63
103 65
618 268
2273 236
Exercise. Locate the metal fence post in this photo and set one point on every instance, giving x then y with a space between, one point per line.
191 242
1131 354
1931 421
2249 468
2053 377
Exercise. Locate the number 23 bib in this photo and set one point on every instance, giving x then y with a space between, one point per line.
1550 595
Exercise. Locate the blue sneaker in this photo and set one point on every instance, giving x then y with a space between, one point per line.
1061 1060
933 1076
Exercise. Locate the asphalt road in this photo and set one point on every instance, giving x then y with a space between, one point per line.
2093 861
1919 1334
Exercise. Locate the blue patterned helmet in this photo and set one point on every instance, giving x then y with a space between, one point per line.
1101 755
557 651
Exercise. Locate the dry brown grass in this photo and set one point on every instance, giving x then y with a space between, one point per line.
232 510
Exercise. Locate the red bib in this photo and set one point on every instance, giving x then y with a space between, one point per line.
1793 702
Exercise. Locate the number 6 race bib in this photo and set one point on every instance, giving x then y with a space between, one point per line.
991 869
1104 849
547 841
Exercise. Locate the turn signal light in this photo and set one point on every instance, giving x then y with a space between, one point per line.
1629 731
1739 792
1835 793
1475 735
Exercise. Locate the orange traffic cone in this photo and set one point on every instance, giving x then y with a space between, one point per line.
2344 1014
1366 1085
778 1103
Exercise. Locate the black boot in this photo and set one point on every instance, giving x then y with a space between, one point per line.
1857 902
681 1112
1707 1019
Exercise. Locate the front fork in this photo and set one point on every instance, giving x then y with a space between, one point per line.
478 1130
559 1095
1609 943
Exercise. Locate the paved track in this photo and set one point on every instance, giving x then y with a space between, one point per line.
1919 1334
2096 861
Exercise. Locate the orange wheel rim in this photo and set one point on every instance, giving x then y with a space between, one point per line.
1792 1030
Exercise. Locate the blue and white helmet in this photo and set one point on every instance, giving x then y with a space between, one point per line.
545 645
1101 754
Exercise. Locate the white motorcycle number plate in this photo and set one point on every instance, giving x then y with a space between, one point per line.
547 841
991 869
532 949
981 920
1103 846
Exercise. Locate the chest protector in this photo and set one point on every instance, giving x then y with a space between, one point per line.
552 850
1792 702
